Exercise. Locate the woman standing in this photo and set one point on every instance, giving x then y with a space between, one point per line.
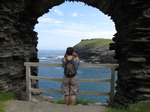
70 85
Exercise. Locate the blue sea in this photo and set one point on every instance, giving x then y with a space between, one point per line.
54 56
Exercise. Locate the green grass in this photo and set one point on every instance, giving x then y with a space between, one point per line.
96 43
83 102
5 98
78 101
143 106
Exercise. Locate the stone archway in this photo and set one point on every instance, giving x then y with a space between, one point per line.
18 43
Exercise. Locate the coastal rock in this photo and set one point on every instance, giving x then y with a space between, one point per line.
89 53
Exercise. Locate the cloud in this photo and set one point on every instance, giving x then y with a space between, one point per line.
74 14
82 33
49 20
58 12
74 29
76 26
101 34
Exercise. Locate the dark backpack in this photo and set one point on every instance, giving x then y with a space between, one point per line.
69 68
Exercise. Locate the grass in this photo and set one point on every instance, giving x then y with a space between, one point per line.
143 106
5 98
78 101
96 43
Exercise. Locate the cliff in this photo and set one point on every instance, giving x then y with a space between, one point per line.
95 51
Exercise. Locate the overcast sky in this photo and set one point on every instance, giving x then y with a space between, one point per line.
67 24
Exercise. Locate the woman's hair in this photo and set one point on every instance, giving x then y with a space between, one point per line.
70 51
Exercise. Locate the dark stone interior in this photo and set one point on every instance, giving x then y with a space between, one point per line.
18 43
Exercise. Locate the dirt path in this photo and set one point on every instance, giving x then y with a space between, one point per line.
26 106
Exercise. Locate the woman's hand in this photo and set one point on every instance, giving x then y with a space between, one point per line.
75 54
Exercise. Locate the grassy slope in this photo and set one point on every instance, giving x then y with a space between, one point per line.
96 43
143 106
5 98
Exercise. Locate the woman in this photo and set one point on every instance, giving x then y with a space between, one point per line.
70 85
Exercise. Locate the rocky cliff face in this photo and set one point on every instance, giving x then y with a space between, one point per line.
18 43
100 54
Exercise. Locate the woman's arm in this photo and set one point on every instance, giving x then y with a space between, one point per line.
75 54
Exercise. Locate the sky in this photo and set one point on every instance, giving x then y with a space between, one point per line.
67 24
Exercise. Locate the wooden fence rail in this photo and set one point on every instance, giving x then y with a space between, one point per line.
30 77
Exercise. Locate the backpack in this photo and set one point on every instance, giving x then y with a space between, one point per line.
69 68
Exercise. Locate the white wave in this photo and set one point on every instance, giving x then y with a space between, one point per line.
57 57
42 58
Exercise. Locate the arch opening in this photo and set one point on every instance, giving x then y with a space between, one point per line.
69 23
66 25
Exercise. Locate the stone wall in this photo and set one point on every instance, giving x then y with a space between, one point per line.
132 46
18 43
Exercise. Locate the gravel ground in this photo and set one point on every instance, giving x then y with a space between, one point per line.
30 106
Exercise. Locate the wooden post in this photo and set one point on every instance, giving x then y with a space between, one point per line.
28 82
112 84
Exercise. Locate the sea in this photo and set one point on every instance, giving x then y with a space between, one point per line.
54 56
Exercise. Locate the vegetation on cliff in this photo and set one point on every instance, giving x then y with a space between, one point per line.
94 44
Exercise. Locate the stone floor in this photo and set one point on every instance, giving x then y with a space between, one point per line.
30 106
